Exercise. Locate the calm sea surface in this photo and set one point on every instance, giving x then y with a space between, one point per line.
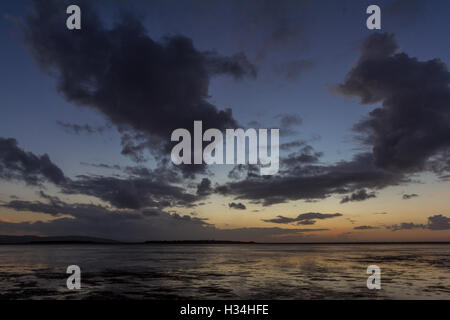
225 271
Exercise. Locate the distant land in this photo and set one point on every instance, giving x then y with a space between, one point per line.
6 239
53 240
199 242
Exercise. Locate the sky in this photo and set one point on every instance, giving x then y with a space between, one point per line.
364 119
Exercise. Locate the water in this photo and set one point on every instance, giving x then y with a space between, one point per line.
225 271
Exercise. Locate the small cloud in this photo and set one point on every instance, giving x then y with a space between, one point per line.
308 218
20 165
237 206
365 228
360 195
409 196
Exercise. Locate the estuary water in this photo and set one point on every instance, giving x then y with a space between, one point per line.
230 271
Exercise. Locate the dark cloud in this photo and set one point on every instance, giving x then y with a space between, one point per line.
162 173
435 223
95 220
410 128
131 192
138 187
51 199
151 212
99 221
405 226
204 187
17 164
440 164
304 218
304 155
134 145
145 87
237 65
412 123
359 195
292 144
365 228
438 222
409 196
237 206
78 129
312 182
56 207
243 171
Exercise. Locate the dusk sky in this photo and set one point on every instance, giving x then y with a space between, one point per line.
364 116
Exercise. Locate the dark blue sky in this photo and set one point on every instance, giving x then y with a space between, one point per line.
326 33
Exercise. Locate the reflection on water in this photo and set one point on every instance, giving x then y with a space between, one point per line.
225 271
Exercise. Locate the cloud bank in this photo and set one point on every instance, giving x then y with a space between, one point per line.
147 88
